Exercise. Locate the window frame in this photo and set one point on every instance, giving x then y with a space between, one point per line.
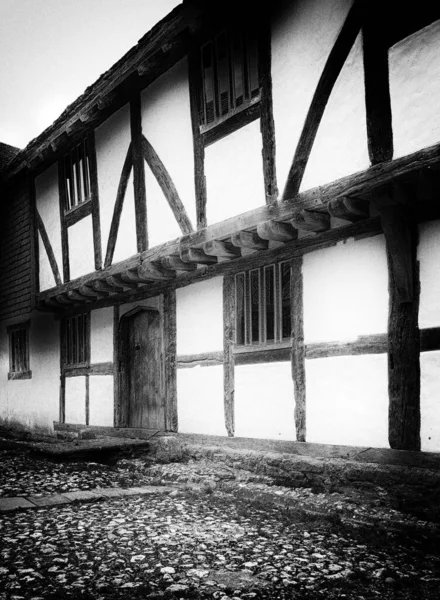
248 109
79 347
278 341
24 372
77 169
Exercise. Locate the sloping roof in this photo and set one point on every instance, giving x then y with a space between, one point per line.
148 47
7 153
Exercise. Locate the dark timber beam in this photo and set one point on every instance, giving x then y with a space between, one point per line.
77 297
198 143
87 290
278 232
308 220
350 209
167 186
140 196
332 68
298 348
228 353
377 84
103 286
118 282
175 263
119 203
400 230
154 273
197 255
221 249
249 239
169 329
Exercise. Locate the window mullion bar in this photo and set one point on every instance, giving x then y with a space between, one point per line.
261 306
277 293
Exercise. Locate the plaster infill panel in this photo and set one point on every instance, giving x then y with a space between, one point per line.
81 248
199 314
166 123
112 140
234 174
75 400
200 400
101 400
347 400
46 276
101 335
340 147
346 291
303 34
415 87
126 241
428 254
429 404
264 401
48 207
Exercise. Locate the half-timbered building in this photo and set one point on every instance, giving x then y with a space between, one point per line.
236 231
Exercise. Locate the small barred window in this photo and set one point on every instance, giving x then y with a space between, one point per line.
75 338
77 175
229 66
263 305
19 351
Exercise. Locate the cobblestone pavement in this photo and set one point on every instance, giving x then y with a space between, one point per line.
224 533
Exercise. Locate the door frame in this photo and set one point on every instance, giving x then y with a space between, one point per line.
122 406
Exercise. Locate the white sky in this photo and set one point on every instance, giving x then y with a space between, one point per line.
51 50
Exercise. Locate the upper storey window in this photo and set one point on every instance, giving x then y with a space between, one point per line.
77 176
229 66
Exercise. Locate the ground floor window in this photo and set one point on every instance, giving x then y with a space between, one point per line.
19 351
75 340
263 305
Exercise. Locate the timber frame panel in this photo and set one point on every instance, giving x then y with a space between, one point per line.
257 108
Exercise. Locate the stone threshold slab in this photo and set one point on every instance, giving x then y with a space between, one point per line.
19 503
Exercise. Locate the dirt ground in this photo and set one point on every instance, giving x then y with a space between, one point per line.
222 533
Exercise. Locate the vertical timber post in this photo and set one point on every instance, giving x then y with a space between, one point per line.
140 196
400 228
170 387
228 355
298 348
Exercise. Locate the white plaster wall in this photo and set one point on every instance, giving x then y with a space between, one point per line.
429 258
200 400
126 241
75 400
415 87
47 202
264 401
81 249
340 146
347 400
112 141
101 404
429 401
303 34
166 123
33 403
101 335
346 291
199 314
47 279
234 174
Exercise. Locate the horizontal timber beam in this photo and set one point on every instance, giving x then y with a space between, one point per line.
308 220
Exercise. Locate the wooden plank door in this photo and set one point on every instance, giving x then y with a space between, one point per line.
145 406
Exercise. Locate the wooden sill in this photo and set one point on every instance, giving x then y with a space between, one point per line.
78 212
20 375
238 117
262 347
